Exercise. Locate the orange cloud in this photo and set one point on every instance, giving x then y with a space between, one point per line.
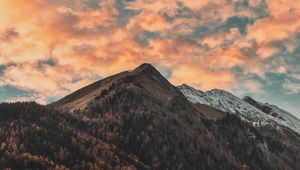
274 29
155 6
267 51
196 5
150 21
45 81
27 77
202 78
90 19
217 9
35 30
218 39
225 58
278 8
253 86
283 22
85 43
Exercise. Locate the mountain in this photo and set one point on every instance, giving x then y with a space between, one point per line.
281 116
258 114
144 77
138 120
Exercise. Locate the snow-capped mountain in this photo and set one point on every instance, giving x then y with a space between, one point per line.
258 114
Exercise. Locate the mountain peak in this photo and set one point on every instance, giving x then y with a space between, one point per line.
185 86
145 76
219 91
147 70
145 67
248 98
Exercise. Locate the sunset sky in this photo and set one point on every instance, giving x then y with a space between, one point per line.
49 48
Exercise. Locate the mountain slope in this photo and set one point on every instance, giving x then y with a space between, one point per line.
37 137
248 109
144 74
80 98
280 116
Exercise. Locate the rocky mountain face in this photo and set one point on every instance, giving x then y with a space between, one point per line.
138 120
286 118
254 112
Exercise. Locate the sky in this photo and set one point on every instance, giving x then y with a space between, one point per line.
50 48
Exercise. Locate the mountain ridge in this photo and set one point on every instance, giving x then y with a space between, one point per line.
80 98
250 109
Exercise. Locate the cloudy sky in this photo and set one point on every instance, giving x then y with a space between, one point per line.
49 48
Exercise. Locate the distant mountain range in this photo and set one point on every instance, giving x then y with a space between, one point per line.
138 120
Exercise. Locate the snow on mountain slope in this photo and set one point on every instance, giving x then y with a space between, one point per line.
289 119
285 114
227 102
280 115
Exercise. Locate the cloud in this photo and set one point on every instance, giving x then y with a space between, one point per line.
281 70
29 77
291 87
255 3
9 35
283 22
220 10
43 81
225 58
35 30
202 43
90 19
155 6
267 51
253 86
219 39
150 22
294 73
196 5
202 78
